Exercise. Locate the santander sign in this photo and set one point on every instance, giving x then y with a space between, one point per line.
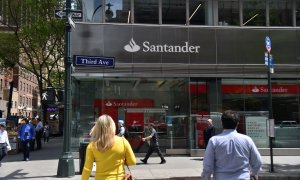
132 46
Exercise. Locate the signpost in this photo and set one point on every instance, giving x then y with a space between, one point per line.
94 61
63 14
66 166
269 58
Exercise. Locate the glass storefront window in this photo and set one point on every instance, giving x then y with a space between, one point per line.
117 11
146 11
174 12
228 13
137 101
198 10
254 13
281 13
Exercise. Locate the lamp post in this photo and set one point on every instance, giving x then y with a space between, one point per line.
66 162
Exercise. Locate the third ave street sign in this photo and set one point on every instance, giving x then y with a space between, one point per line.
62 14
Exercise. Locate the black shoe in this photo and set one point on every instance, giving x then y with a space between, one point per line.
163 162
144 161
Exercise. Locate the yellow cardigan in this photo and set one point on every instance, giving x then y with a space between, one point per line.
109 164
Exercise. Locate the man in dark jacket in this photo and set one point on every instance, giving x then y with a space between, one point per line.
209 131
154 146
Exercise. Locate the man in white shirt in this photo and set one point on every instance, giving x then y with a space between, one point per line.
231 155
39 134
4 143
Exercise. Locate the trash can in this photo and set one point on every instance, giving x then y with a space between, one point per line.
82 151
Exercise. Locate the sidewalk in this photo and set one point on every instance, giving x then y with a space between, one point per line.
43 165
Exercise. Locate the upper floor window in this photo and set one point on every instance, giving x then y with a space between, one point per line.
254 13
197 9
281 13
146 11
20 85
117 11
92 10
298 12
174 12
228 13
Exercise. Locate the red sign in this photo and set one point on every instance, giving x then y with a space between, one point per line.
260 89
128 103
198 88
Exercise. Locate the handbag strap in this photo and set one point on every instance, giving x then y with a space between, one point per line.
124 156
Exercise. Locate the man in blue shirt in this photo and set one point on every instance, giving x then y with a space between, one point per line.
26 134
231 155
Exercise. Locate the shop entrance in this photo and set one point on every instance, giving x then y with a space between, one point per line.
137 121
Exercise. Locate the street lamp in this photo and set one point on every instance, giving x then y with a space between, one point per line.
66 162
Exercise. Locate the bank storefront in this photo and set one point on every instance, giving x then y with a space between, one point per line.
178 76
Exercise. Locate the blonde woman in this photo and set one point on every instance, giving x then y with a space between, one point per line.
107 150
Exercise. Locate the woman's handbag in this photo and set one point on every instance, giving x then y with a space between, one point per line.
128 175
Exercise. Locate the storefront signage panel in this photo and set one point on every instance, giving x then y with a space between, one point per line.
259 89
142 44
182 44
126 103
247 89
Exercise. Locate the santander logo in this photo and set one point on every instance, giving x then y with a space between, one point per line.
147 47
132 46
108 103
255 89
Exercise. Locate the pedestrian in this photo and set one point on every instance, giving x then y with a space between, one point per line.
108 151
39 133
26 134
4 142
154 145
46 133
208 132
231 155
121 128
32 142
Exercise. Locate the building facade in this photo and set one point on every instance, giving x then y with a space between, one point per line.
177 63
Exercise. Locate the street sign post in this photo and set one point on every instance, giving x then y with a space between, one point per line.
62 14
94 61
269 59
268 44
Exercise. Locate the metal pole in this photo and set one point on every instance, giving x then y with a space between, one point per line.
270 111
66 162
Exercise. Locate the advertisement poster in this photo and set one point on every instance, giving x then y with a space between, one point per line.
256 129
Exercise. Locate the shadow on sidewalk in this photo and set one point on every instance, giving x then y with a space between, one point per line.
17 174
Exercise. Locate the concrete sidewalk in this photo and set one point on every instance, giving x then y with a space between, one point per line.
43 165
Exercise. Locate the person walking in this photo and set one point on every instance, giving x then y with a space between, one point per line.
110 152
121 128
26 134
46 132
231 155
39 133
209 131
154 146
4 142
